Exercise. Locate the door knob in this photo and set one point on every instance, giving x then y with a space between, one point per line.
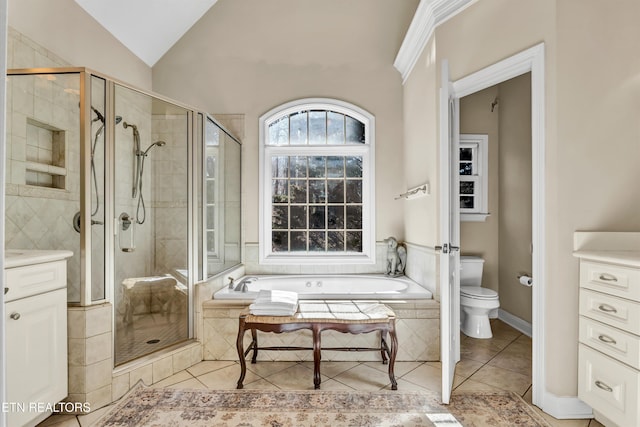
443 249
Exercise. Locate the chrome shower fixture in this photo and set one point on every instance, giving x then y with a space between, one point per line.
136 153
141 210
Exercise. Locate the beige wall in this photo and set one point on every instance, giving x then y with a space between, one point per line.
248 56
515 195
592 149
481 238
64 28
420 102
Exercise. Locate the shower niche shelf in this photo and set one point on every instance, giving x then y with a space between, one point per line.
45 155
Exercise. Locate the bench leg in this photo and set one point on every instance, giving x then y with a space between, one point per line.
316 356
254 343
241 355
384 350
394 352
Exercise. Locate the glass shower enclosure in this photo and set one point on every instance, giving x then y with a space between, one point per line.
116 175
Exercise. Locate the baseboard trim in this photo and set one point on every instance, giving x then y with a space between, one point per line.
565 407
515 322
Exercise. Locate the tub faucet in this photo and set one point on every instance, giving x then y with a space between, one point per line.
242 285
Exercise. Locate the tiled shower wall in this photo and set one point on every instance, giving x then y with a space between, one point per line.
168 200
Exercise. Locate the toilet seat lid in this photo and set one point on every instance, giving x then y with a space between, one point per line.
478 292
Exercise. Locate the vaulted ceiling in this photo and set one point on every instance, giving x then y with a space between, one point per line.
147 27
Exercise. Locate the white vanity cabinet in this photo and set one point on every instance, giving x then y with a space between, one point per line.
609 335
36 333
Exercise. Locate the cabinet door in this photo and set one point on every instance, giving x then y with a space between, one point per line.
36 345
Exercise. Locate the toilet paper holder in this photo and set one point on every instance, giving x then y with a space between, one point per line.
525 279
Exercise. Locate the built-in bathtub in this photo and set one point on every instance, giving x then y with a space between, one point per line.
345 286
417 314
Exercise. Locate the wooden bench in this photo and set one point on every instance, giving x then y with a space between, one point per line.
353 317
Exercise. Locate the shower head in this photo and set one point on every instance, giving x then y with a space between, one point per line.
118 119
158 143
126 125
100 116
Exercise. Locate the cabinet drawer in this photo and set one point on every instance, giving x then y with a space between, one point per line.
34 279
613 342
614 311
608 386
612 279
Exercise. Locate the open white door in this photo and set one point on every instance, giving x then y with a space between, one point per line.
449 248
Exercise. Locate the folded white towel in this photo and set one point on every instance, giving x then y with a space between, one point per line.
276 296
274 303
272 312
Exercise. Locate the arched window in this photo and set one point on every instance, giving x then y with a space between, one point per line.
317 184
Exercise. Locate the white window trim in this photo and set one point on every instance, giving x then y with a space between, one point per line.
368 254
481 212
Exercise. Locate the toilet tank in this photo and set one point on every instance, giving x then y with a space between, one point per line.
471 270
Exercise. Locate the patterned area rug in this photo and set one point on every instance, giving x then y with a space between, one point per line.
149 407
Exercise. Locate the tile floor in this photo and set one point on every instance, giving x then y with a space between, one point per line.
501 363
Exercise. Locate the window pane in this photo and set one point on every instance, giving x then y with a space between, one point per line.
466 168
335 241
298 218
211 166
317 167
298 135
467 187
211 192
466 154
335 128
279 191
279 132
354 241
317 127
467 202
279 241
280 166
335 191
299 191
354 217
354 167
211 216
316 217
298 166
335 167
317 240
279 218
355 131
336 217
211 241
298 241
354 191
317 191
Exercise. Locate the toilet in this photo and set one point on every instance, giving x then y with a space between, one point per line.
476 302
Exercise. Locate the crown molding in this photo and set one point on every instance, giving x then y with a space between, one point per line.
428 16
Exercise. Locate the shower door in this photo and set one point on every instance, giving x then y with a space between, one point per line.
151 284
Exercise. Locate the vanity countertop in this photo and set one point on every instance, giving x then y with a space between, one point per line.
629 258
22 257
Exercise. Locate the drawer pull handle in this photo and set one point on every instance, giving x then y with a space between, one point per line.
608 277
14 316
606 339
603 386
607 308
